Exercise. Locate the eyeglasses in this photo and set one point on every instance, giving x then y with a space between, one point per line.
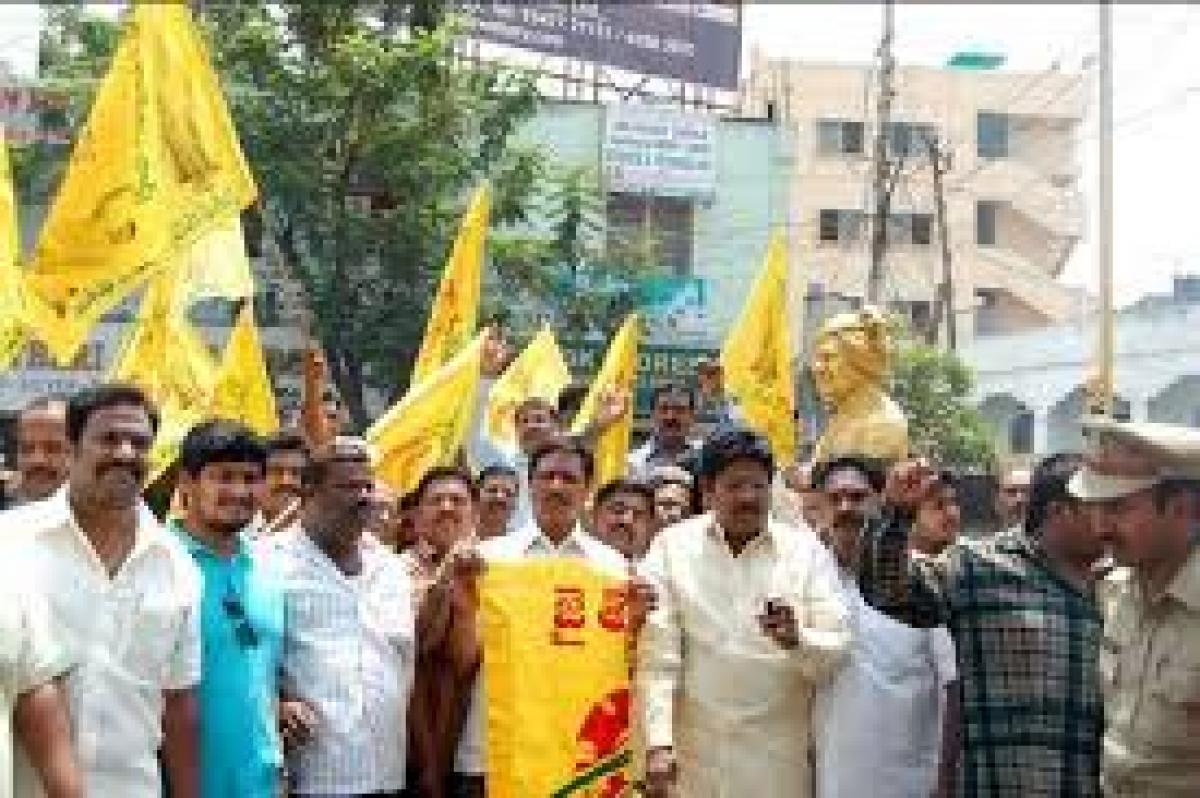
242 630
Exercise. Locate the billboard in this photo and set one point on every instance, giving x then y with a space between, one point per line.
34 111
659 150
656 364
697 42
675 308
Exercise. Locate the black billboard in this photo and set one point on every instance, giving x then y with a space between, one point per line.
696 42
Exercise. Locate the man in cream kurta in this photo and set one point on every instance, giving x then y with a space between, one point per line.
749 620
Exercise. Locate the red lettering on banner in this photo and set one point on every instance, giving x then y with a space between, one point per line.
613 614
570 616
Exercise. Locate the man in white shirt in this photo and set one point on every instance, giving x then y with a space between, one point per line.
537 420
560 477
879 722
623 517
749 621
348 654
43 454
124 601
31 698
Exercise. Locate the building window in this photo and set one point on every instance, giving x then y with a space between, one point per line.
1020 433
920 316
910 228
908 140
643 227
991 136
840 225
829 225
267 306
985 223
839 137
922 229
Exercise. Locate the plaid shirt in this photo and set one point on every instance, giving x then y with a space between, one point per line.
1028 646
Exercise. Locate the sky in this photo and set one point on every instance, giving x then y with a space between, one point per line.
1156 99
1156 104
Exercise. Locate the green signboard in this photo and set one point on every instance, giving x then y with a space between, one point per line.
656 364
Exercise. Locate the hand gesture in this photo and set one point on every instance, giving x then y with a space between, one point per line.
908 483
660 772
495 353
613 405
643 600
297 722
778 622
711 379
465 564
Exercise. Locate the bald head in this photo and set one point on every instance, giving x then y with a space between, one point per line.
43 451
1012 497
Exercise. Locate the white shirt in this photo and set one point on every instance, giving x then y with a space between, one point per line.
527 542
735 706
879 723
133 635
348 652
29 657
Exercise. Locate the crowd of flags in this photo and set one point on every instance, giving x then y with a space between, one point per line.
151 200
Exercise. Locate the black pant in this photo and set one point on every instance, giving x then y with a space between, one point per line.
463 785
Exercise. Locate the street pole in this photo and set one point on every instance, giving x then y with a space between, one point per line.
940 163
1106 377
883 194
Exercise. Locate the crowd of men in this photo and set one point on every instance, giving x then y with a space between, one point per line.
292 627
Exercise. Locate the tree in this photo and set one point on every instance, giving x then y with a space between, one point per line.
561 268
934 388
366 136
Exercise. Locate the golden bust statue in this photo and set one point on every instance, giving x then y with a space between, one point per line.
850 365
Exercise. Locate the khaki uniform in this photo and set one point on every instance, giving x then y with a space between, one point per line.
1150 664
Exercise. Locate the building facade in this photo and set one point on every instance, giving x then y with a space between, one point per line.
1030 385
709 190
1013 207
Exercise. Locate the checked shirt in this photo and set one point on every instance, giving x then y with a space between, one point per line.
1028 645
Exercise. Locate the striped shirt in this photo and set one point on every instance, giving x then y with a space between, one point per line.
1028 644
348 653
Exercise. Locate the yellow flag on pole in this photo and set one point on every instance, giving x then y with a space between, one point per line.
455 310
757 356
540 371
565 732
427 427
617 373
12 316
156 168
216 266
242 390
165 356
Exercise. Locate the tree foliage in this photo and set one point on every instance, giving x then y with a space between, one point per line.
564 269
366 135
934 388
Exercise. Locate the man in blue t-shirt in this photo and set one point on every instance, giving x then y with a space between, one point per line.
222 467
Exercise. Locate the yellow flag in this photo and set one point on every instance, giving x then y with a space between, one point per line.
12 317
455 309
427 427
243 390
165 355
156 168
540 371
215 266
618 372
564 732
757 356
